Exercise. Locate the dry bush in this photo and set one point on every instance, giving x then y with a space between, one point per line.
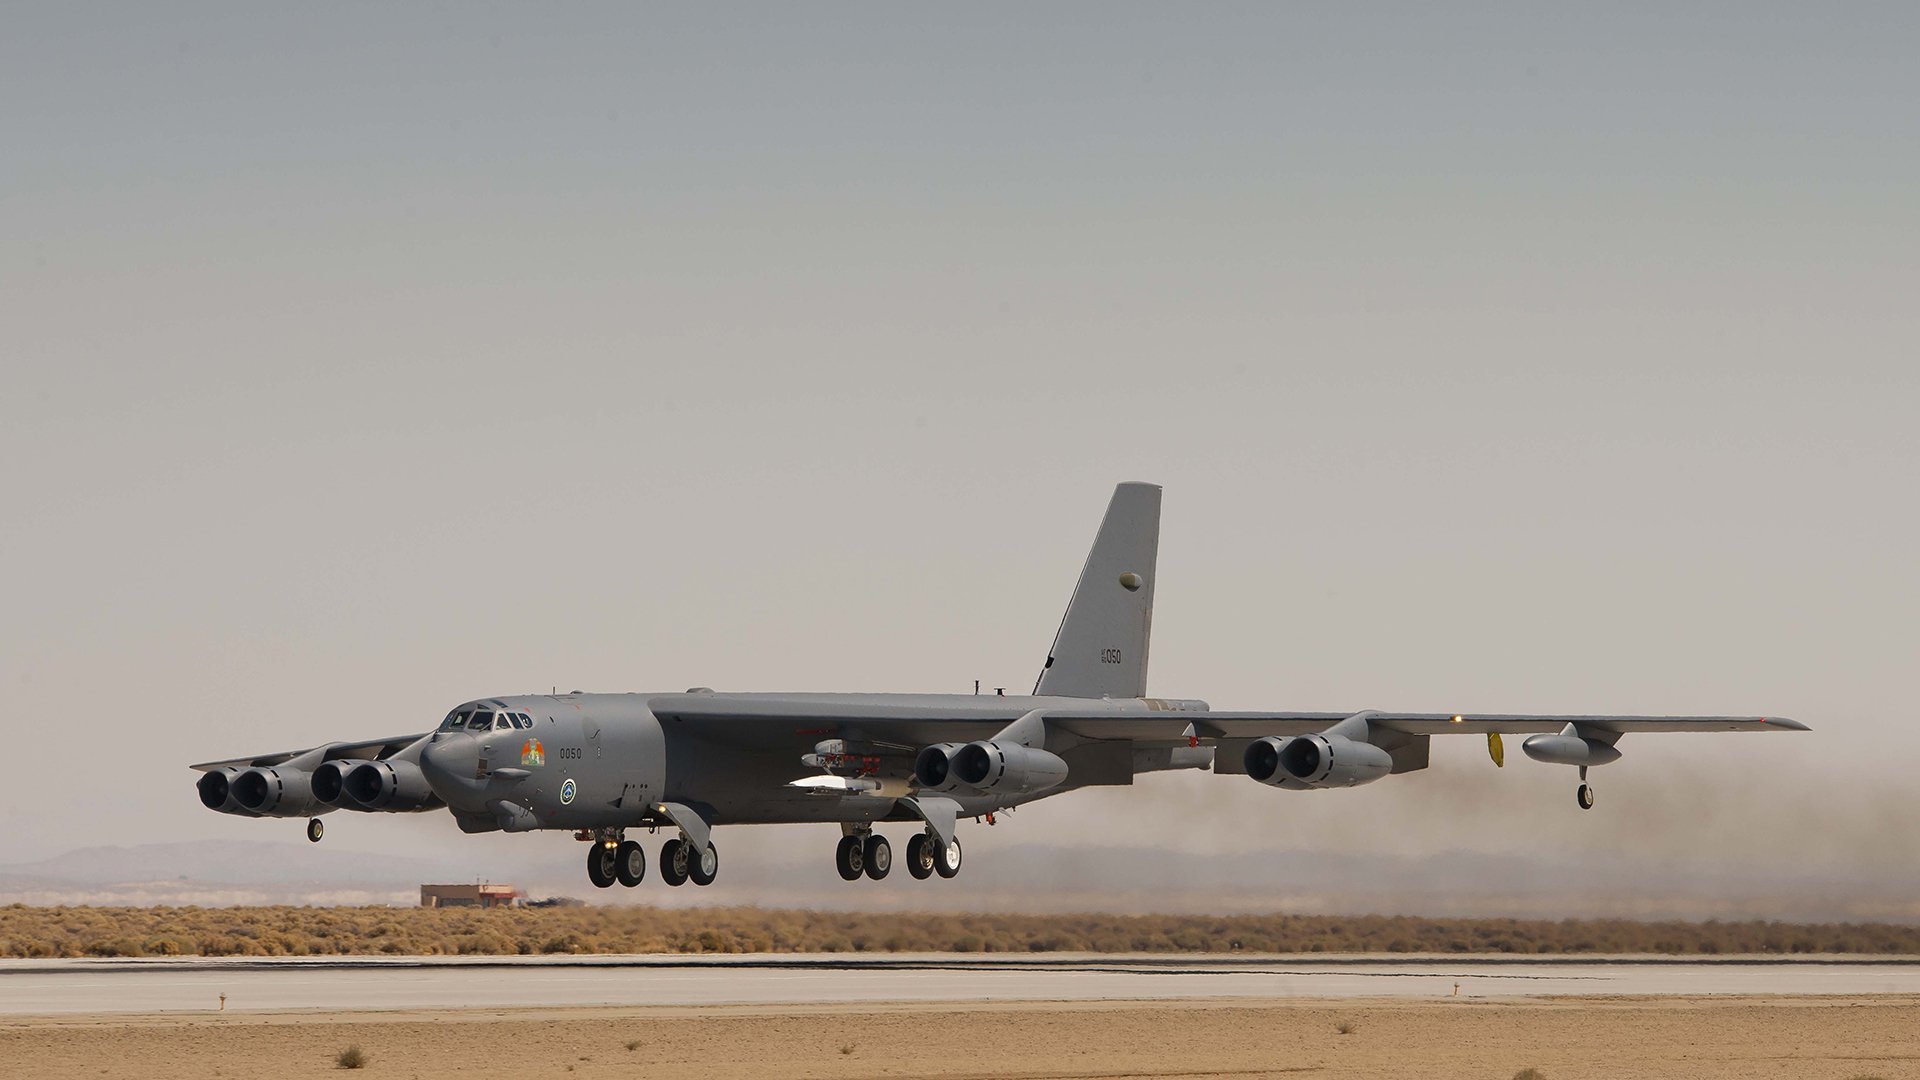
351 1058
30 932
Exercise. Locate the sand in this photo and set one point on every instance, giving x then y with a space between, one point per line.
1563 1038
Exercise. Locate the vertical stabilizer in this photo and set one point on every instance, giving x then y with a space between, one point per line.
1101 650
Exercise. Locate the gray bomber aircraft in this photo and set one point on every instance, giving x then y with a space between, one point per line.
606 765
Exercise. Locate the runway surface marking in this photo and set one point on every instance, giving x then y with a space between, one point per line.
337 984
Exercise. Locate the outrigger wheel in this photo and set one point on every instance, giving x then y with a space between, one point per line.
316 829
1584 794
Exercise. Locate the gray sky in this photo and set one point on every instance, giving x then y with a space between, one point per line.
355 362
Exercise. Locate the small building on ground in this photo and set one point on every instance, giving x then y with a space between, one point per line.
480 896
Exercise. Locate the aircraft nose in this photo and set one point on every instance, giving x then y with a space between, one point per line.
449 763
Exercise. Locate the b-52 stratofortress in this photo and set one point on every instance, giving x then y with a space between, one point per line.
605 766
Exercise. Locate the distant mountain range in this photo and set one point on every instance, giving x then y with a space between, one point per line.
1014 878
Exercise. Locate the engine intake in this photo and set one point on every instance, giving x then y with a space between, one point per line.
1306 762
275 792
933 768
397 786
330 784
216 791
1008 768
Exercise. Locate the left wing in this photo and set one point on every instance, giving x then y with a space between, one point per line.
373 749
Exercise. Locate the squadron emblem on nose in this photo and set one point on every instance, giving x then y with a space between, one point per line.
532 753
567 791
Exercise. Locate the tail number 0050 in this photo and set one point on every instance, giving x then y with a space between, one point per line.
1109 656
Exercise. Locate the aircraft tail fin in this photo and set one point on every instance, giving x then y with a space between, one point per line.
1101 649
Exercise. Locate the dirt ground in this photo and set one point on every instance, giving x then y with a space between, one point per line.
1562 1038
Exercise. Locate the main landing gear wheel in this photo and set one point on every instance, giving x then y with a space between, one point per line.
630 863
879 856
600 865
920 856
701 868
316 829
946 857
1584 795
850 858
673 862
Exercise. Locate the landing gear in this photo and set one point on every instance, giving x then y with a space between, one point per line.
316 829
879 856
1584 793
946 857
602 867
851 857
673 862
701 868
920 856
629 863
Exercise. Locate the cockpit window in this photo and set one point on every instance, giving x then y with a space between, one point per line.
481 721
455 720
525 720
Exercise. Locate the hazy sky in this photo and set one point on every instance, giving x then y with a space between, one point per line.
359 360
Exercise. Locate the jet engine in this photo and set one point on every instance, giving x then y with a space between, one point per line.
330 784
216 791
934 768
389 785
1008 768
1315 761
276 792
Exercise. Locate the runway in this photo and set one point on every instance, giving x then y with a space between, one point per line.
196 985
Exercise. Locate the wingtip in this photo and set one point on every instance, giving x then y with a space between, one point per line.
1783 722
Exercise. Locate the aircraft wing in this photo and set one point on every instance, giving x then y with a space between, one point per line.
1254 725
371 749
752 719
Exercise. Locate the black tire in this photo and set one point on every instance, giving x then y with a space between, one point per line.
920 856
600 865
879 856
704 867
630 863
946 858
850 858
1584 796
673 862
316 829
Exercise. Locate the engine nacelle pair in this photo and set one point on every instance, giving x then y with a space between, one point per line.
260 792
390 786
280 791
1306 762
1003 768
